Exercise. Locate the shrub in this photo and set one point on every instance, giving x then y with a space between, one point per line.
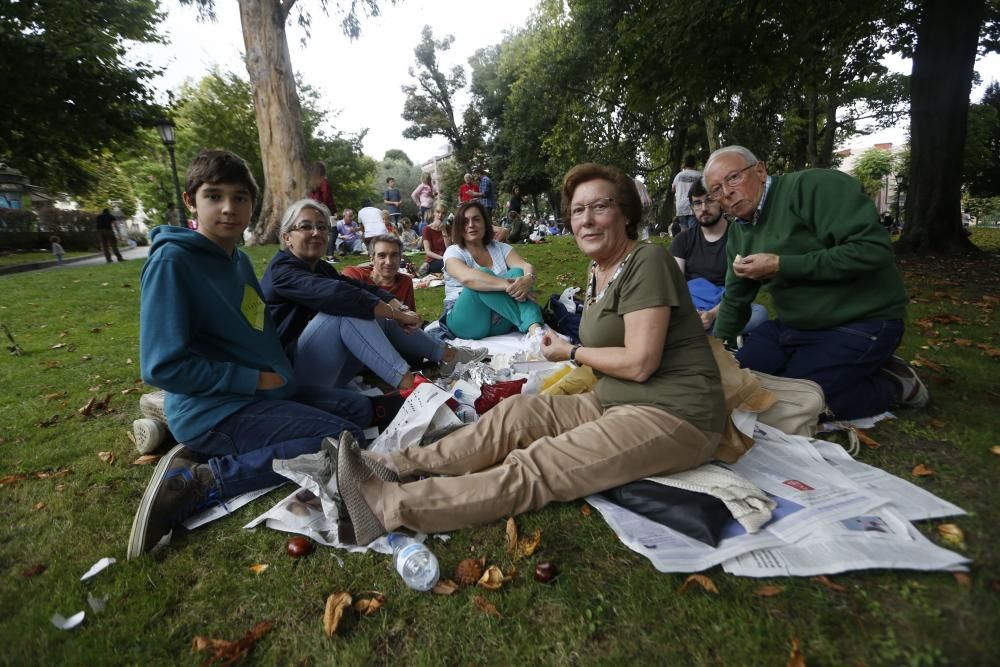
18 220
58 220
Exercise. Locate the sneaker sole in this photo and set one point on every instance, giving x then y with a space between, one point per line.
137 536
148 435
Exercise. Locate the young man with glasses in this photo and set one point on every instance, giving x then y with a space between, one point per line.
812 240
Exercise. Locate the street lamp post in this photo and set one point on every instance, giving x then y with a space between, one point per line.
166 129
900 183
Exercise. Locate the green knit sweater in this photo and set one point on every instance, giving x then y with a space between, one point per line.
836 265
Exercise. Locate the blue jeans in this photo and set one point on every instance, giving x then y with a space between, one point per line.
843 360
242 446
332 349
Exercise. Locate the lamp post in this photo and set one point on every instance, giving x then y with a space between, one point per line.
900 183
166 129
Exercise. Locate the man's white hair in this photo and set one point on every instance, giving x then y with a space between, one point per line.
744 153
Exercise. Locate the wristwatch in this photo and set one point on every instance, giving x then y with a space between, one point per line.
572 353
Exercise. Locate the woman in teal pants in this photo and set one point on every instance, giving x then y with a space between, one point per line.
488 286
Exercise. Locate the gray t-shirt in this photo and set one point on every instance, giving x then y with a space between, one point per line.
452 288
682 183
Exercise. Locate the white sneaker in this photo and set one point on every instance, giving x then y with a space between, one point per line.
463 355
148 435
151 406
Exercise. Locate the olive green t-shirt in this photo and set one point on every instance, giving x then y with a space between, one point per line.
687 383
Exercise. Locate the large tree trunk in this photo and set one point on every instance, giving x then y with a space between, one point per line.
940 84
279 116
710 113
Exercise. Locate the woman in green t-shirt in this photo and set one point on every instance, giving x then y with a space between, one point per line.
657 407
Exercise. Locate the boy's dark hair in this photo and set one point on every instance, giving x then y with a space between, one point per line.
697 190
214 166
389 179
54 239
689 162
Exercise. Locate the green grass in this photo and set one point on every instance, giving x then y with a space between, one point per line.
14 259
609 606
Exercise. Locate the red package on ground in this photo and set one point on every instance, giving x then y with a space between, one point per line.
491 394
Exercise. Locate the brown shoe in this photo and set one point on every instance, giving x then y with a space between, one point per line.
352 471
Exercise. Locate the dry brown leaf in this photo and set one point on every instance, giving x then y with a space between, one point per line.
368 606
486 606
937 424
795 656
769 591
952 534
88 408
227 652
45 423
702 581
995 449
919 360
920 470
34 570
38 506
96 330
444 587
526 546
585 510
146 459
11 479
963 342
511 535
867 440
335 606
963 579
258 568
492 578
57 346
54 396
826 583
107 457
128 361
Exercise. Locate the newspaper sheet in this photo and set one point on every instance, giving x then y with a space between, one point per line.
912 501
220 511
879 539
424 410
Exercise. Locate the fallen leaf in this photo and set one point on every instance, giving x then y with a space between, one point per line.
492 578
826 583
995 449
130 390
867 440
146 459
11 479
963 342
963 579
444 587
258 568
107 457
795 657
769 591
952 534
57 346
702 581
59 488
511 535
228 652
85 357
585 510
52 363
919 360
526 546
335 606
45 423
128 361
368 606
105 284
38 506
920 470
54 396
936 424
88 408
486 606
96 330
34 570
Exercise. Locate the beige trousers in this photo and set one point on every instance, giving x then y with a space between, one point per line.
530 451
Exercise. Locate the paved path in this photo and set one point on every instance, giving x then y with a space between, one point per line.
130 254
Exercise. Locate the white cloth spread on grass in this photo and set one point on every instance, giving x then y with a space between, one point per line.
747 503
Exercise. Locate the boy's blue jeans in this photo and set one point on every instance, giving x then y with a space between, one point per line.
242 446
843 360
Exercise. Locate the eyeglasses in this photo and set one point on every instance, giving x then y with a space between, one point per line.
309 227
729 182
599 207
699 204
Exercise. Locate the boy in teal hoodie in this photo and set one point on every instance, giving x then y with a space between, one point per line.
206 339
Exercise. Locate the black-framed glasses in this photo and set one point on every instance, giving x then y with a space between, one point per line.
599 207
729 182
699 204
309 227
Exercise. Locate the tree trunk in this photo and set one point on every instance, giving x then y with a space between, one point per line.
711 117
279 116
940 84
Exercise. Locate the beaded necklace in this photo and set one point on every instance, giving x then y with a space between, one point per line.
592 283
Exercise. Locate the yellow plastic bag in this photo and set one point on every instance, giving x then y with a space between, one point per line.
578 381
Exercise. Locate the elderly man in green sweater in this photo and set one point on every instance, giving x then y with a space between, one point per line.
812 240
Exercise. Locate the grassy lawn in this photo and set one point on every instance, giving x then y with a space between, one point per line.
14 259
79 332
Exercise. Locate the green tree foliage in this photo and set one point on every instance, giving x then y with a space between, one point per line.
70 89
430 102
872 167
397 154
407 177
982 145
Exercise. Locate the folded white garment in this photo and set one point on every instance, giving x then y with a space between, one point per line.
744 500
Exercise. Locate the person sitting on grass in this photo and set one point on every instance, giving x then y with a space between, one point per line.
411 240
332 326
349 235
434 243
658 407
383 270
206 338
488 285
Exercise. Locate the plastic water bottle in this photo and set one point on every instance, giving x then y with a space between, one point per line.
414 561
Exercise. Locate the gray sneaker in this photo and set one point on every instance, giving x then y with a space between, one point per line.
151 406
178 488
463 355
148 435
910 389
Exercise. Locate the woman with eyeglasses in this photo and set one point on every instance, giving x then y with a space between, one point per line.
657 408
487 284
332 326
